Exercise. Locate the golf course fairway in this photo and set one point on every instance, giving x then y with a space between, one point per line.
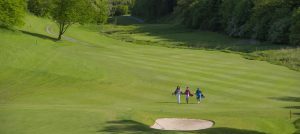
96 84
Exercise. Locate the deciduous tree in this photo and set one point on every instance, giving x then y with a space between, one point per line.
68 12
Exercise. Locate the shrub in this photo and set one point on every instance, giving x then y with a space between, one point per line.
12 12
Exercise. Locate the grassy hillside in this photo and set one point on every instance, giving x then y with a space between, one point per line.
179 36
97 84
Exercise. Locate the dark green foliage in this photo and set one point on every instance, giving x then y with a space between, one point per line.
235 14
203 14
275 21
279 31
153 9
295 29
11 12
227 8
39 7
265 19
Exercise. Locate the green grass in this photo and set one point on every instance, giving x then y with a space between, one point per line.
178 36
103 85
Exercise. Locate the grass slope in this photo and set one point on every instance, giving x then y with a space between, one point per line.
181 37
103 85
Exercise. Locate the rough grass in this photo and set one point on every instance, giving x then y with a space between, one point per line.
109 86
124 20
289 57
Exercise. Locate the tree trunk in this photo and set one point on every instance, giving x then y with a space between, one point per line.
59 36
62 29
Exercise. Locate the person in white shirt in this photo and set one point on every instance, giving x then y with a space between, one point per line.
177 93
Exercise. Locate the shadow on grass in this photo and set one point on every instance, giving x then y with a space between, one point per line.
182 103
297 126
287 98
39 35
7 28
293 107
291 99
165 102
133 127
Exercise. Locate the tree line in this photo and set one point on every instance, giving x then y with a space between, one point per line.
153 9
276 21
64 12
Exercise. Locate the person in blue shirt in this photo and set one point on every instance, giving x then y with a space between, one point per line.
199 95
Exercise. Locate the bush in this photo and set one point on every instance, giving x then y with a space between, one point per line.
12 12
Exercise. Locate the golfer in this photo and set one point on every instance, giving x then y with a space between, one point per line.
187 94
199 95
177 93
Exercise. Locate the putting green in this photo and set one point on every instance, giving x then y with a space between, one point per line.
102 85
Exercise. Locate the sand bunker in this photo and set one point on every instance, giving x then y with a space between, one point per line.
181 124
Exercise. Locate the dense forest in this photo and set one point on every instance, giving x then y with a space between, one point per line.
276 21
